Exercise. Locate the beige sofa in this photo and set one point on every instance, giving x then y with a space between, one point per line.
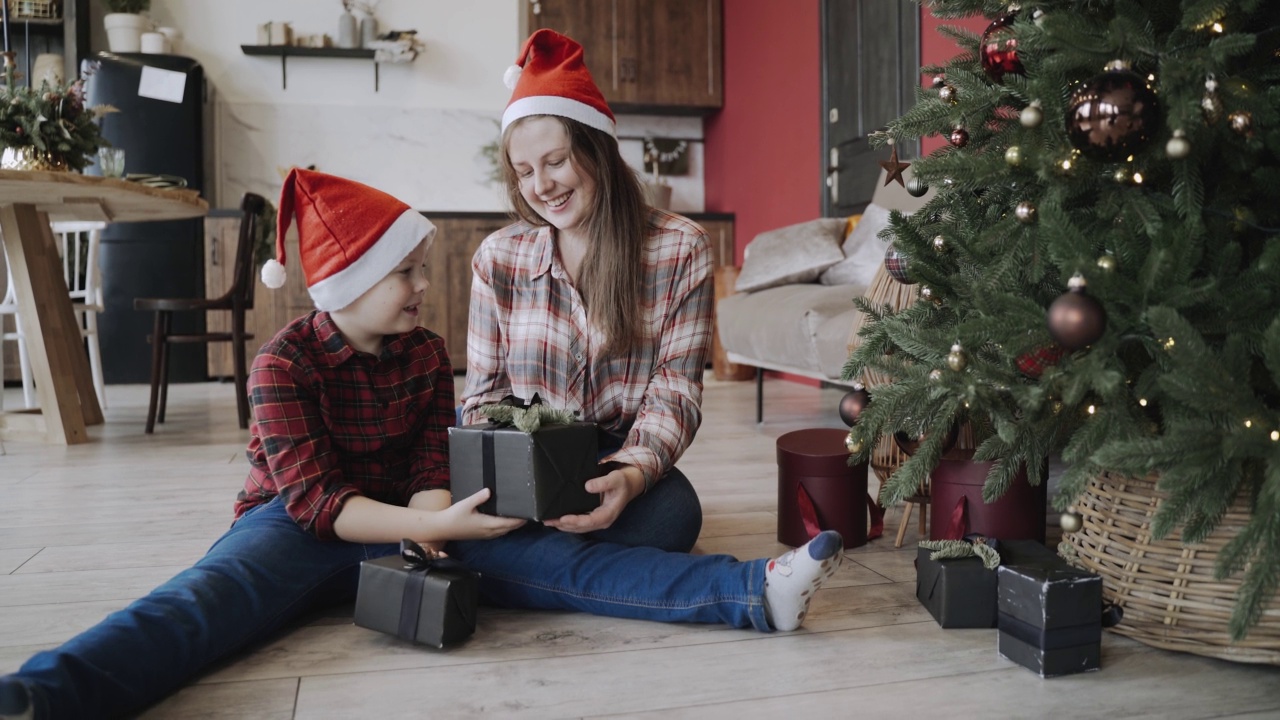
793 309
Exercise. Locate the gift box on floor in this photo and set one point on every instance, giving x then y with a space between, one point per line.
1050 617
961 592
416 598
535 475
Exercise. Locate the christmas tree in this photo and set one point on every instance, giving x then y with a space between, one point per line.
1099 270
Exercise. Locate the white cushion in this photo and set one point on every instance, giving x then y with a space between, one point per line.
863 252
792 254
784 325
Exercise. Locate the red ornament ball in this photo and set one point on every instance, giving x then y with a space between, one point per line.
1076 320
959 137
999 49
852 405
1033 364
1113 115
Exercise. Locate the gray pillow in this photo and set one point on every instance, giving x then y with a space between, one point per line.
793 254
863 252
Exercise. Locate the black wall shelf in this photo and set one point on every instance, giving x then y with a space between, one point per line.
284 52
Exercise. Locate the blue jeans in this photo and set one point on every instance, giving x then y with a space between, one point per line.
266 571
668 517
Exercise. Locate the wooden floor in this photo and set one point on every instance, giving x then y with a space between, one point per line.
86 529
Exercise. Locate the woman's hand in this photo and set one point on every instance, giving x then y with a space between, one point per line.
617 488
461 521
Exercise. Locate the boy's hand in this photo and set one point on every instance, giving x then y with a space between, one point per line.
463 522
617 488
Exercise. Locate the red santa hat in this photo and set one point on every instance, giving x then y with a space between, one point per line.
550 78
350 236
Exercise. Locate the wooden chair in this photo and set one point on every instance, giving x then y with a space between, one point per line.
78 244
236 300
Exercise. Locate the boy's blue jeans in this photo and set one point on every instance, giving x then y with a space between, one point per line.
266 571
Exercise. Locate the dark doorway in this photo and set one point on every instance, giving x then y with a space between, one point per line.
870 72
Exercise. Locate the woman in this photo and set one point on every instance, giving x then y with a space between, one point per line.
596 301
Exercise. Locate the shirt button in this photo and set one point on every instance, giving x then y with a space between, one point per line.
579 357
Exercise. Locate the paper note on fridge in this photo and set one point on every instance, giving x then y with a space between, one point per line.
161 84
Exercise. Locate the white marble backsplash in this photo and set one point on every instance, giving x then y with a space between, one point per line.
428 157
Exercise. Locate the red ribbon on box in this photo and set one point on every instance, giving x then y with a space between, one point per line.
809 514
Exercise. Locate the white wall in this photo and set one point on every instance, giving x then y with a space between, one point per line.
419 137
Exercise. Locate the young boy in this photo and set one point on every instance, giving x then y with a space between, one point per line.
347 456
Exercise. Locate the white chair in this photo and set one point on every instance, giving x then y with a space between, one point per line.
78 245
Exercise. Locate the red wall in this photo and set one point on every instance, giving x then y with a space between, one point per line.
763 149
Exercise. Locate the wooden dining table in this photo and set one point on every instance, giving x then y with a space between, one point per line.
29 201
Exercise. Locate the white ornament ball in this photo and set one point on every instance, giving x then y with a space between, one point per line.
273 274
1031 115
1178 146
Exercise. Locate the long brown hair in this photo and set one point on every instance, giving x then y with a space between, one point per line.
611 280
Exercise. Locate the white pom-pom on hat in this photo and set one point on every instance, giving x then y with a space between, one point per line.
512 76
273 274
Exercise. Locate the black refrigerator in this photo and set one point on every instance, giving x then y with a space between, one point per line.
161 124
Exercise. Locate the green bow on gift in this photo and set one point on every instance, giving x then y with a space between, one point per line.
525 417
956 549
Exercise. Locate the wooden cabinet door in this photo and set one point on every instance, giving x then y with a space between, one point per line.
721 233
448 300
594 24
676 46
645 55
272 309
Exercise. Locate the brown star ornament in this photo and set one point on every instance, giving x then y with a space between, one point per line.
893 168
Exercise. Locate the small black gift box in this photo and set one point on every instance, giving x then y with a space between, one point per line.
538 476
961 592
1050 617
416 598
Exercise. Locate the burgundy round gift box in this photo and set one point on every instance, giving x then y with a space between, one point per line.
817 460
1018 515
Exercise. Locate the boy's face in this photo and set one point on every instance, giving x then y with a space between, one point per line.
391 306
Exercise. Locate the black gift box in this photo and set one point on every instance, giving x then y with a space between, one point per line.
537 476
431 603
1050 663
1050 617
961 593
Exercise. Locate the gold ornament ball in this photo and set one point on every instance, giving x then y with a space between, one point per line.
1212 107
1107 262
935 375
940 243
852 444
1071 522
926 292
1013 156
947 94
956 359
1241 121
1025 212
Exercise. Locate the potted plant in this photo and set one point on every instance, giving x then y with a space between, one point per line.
48 128
125 24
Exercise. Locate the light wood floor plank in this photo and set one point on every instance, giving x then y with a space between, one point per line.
102 523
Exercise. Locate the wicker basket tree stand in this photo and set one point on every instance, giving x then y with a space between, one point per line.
1167 590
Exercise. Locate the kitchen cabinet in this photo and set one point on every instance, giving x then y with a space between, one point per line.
448 299
647 56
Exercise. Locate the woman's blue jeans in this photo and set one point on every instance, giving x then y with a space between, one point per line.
266 571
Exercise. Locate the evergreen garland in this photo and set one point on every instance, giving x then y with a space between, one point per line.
1181 250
